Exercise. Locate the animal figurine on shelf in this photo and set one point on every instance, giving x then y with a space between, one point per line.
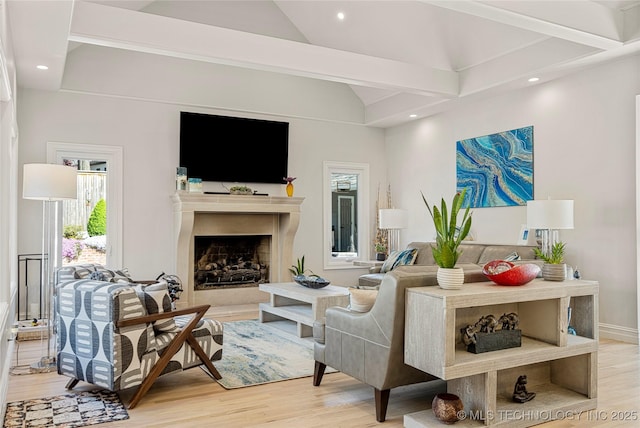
520 394
509 321
468 334
487 324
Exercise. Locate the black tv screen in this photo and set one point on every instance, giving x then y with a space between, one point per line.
233 149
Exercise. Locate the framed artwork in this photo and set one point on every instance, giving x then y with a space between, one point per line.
496 169
523 238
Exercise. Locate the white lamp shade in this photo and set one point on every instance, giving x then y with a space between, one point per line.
49 182
393 218
550 214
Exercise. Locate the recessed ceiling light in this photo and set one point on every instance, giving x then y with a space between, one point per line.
42 67
340 16
413 116
534 79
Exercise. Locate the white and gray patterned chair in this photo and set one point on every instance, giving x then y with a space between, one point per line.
119 335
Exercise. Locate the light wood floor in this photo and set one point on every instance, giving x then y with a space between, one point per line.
192 399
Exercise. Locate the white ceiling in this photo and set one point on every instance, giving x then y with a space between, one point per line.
399 57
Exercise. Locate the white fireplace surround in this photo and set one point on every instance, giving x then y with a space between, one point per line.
233 215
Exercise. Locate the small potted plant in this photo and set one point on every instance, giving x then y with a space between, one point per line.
554 268
240 190
448 238
381 252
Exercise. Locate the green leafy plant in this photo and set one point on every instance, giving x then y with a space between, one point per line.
72 231
448 234
299 269
97 223
557 254
380 248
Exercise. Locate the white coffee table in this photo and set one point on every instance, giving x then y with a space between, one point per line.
302 305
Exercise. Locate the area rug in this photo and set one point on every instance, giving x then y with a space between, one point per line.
66 411
256 353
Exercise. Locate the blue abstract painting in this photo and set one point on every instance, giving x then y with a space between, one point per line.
496 169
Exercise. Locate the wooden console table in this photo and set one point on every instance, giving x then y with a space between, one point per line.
561 368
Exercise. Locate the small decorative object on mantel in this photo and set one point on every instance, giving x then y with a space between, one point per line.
520 393
491 334
506 273
447 407
289 188
181 179
240 190
554 268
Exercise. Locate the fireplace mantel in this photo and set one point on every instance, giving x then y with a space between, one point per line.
232 215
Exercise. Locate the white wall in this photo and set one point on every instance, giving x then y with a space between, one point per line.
149 135
584 149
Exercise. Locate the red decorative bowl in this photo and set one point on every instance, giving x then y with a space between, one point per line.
506 273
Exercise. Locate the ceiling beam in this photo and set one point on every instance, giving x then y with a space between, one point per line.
119 28
538 19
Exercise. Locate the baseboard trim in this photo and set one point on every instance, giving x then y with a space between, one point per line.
616 332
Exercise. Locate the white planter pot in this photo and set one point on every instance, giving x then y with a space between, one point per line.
557 272
450 278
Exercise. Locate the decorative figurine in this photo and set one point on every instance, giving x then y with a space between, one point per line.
520 394
487 324
468 334
509 321
576 273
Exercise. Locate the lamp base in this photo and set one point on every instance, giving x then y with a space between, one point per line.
45 365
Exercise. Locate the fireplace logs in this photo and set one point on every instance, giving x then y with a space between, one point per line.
226 264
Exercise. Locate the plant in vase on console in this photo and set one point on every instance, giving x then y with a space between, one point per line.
554 268
448 238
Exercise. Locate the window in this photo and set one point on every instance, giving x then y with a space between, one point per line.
346 213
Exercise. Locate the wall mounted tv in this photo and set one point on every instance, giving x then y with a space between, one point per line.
233 149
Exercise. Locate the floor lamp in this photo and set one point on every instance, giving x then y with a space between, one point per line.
393 220
49 183
549 216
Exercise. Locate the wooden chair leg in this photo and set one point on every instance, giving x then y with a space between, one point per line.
203 356
318 372
73 382
168 353
382 401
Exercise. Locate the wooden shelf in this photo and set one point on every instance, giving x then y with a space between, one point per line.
561 368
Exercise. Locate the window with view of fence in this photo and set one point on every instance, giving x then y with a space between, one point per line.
92 186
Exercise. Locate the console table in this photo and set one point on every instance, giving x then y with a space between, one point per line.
561 368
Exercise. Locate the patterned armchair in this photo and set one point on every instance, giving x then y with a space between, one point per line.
116 334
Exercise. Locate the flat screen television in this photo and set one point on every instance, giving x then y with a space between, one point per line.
233 149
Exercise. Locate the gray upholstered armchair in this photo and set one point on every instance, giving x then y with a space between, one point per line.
369 346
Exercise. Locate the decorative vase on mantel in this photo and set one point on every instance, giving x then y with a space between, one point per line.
289 187
450 278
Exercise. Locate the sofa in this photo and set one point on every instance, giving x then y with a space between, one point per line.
369 346
116 333
472 258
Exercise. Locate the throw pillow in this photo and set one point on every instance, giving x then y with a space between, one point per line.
398 258
98 276
362 300
156 300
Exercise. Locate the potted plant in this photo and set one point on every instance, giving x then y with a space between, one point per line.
381 252
448 238
240 190
554 268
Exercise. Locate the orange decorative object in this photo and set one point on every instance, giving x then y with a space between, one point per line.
506 273
289 189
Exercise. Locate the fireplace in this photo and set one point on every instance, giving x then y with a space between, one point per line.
231 261
271 220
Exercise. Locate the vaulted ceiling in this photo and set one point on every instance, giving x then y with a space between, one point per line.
400 58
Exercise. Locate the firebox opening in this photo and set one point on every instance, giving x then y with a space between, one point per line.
231 261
